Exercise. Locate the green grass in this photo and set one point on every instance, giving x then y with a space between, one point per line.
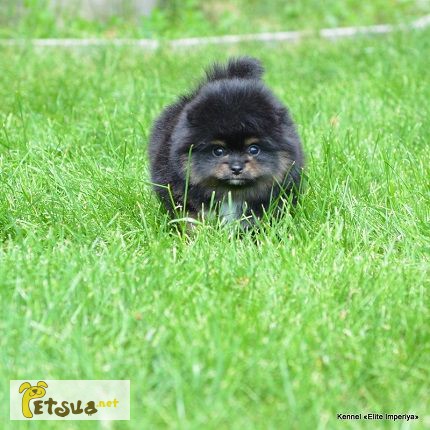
182 18
326 312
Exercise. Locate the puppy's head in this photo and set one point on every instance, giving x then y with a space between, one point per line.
232 137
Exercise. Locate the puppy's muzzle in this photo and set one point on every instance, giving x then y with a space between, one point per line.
236 168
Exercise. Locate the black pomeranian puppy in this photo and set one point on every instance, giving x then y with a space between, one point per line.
229 147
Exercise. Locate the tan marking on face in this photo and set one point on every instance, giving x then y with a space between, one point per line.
253 168
219 143
285 165
251 141
221 170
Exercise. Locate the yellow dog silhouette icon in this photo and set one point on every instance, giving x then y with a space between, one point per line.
31 393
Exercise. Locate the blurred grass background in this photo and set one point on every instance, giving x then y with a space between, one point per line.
184 18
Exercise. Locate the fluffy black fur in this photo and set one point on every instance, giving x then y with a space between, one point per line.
231 109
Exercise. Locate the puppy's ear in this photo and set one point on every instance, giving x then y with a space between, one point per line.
42 384
195 116
191 117
283 116
199 114
24 386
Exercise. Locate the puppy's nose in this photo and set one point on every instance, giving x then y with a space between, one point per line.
236 168
34 390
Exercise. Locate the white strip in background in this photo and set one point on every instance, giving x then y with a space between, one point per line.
283 36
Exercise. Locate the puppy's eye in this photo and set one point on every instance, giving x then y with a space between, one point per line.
218 151
254 150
